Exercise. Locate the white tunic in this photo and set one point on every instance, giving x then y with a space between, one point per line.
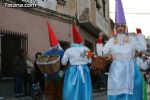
121 73
75 56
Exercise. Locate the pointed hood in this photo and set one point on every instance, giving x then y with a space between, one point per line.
119 13
76 35
52 38
138 30
99 40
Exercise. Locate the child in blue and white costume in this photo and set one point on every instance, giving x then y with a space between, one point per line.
77 82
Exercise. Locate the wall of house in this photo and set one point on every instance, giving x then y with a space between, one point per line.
0 54
36 27
103 22
88 36
106 8
69 8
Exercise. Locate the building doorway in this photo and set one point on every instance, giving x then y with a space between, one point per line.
11 43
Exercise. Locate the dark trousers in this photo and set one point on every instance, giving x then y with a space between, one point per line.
27 84
42 83
18 83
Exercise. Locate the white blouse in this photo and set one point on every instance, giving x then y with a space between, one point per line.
76 56
122 50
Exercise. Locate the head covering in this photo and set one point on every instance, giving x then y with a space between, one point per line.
52 38
140 54
99 40
119 13
76 35
138 30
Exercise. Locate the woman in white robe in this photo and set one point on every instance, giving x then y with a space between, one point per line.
124 78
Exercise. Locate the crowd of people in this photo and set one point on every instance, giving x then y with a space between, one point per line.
26 73
76 79
124 78
127 72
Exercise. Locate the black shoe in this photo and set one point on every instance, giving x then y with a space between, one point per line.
17 95
21 95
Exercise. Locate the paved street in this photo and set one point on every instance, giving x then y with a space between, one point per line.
100 96
6 91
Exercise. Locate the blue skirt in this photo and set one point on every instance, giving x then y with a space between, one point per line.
77 83
137 90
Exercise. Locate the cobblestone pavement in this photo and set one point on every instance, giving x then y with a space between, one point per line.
7 92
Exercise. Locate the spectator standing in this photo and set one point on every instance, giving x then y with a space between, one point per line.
19 71
39 76
28 77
